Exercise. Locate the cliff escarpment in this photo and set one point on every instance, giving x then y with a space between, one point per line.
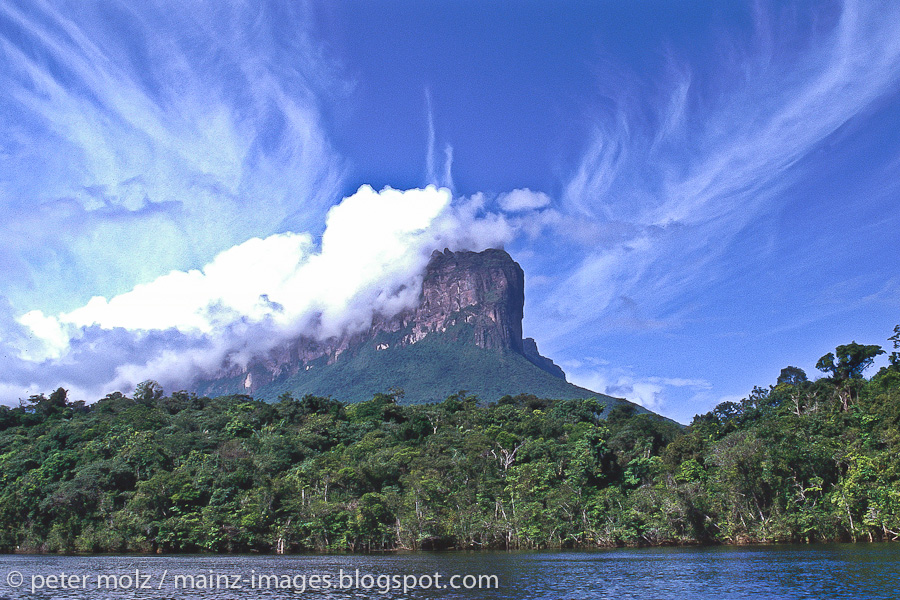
464 333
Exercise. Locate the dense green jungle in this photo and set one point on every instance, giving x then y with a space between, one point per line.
798 461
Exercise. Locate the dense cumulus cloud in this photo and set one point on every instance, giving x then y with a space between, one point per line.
257 294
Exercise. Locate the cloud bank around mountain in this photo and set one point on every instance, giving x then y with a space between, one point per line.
259 293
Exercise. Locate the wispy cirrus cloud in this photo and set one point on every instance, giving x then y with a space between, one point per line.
136 138
445 179
660 194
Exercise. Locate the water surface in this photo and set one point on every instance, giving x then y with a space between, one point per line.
852 571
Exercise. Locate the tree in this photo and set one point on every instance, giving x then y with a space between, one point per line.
792 376
47 407
852 360
793 381
147 392
895 356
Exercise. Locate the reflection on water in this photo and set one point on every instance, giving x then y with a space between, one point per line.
857 571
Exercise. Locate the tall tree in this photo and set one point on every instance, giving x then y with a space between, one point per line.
852 360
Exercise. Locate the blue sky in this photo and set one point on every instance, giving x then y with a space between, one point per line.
700 193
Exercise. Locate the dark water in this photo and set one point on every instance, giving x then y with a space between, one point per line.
858 571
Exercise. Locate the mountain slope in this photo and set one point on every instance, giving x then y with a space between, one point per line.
429 371
465 334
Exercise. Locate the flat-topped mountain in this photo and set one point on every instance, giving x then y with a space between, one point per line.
464 334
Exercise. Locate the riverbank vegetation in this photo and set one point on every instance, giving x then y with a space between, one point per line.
799 460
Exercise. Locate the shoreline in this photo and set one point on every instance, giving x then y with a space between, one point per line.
455 551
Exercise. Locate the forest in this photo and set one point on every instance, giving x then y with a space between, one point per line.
798 461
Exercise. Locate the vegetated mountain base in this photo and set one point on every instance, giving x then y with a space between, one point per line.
465 332
798 461
429 371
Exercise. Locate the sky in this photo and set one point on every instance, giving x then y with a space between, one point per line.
700 193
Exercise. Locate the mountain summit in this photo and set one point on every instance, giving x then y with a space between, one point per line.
464 334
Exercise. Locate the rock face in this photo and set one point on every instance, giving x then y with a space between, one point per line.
484 289
542 362
477 294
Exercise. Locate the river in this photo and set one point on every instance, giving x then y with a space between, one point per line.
818 572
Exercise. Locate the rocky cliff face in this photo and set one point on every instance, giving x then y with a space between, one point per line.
484 289
481 294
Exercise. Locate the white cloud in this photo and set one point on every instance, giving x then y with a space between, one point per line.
254 296
49 337
648 391
431 174
523 199
681 382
